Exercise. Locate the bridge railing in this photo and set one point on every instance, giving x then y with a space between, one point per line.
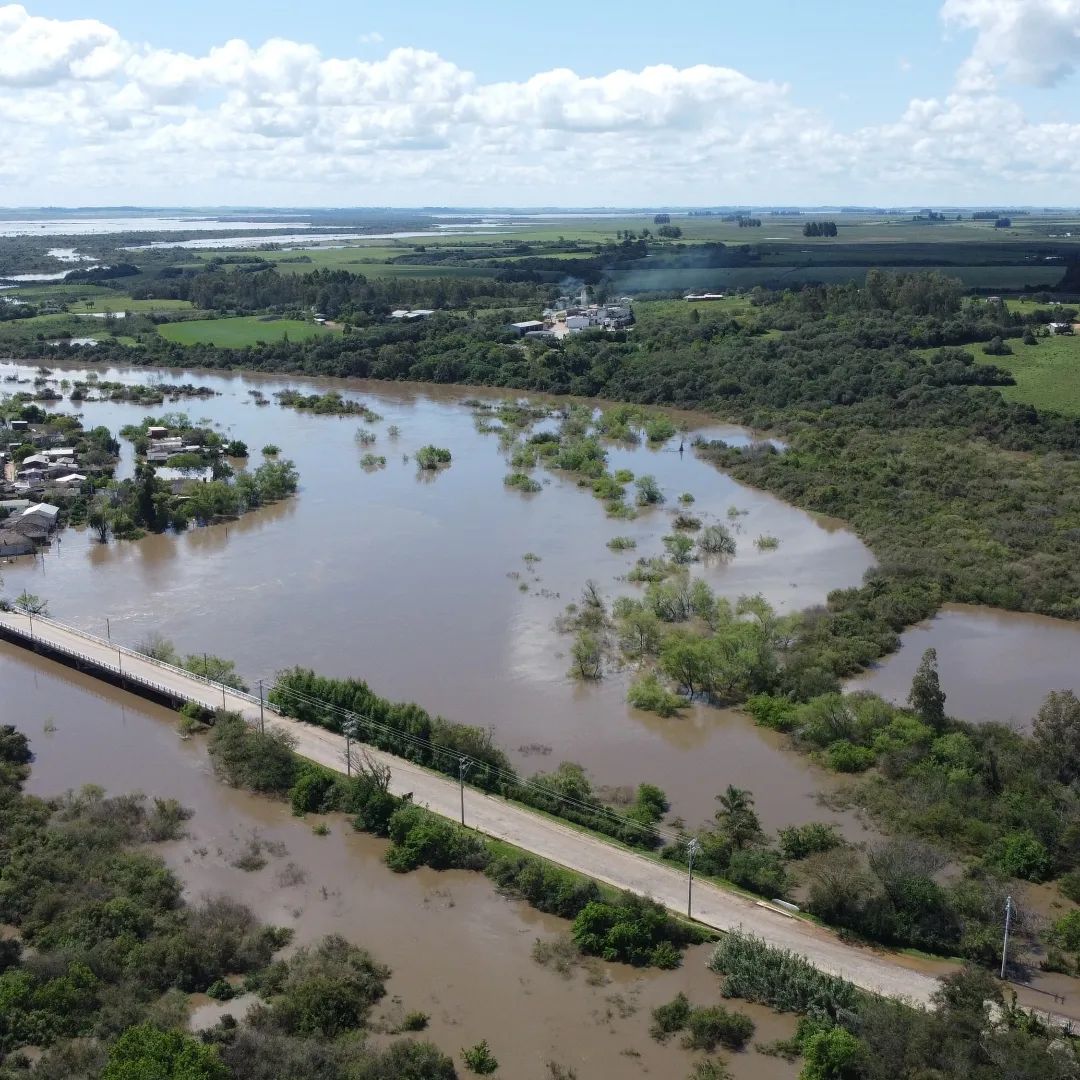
134 654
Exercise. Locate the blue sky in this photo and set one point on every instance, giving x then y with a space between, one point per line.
931 101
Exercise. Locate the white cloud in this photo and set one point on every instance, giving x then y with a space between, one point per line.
89 117
1031 41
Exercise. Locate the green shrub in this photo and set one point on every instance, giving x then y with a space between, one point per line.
541 884
771 712
415 1021
1020 854
759 870
479 1059
622 543
631 931
713 1026
246 757
315 790
798 841
431 457
421 838
846 757
669 1018
649 693
522 482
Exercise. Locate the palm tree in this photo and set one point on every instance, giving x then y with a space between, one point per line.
737 818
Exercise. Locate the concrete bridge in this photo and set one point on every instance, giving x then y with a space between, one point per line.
875 970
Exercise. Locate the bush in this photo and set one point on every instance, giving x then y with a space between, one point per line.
479 1059
771 712
669 1018
314 791
248 758
522 482
431 457
798 841
415 1021
541 884
622 543
420 838
1021 855
631 931
758 870
716 540
714 1026
648 693
846 757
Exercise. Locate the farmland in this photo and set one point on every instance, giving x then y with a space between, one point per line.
240 332
1047 375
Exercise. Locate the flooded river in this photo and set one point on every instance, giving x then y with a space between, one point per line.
459 951
416 582
994 665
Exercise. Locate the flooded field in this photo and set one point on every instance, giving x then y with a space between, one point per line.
994 665
458 950
416 581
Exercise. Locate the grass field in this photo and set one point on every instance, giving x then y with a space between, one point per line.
1047 375
238 332
126 303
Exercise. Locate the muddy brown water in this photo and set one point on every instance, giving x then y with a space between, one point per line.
417 584
458 950
994 665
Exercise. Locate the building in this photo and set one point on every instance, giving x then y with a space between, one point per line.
1061 328
157 432
416 313
18 425
14 543
527 327
44 514
696 297
71 480
63 453
579 322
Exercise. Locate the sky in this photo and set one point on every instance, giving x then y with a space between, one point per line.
484 103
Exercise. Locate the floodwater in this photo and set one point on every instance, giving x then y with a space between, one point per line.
994 665
458 950
315 239
416 583
100 226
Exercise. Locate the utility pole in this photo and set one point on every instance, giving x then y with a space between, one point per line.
108 629
120 663
31 614
463 767
691 850
350 730
1005 943
262 719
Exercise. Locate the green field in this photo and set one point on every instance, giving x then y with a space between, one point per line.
238 332
120 302
1047 375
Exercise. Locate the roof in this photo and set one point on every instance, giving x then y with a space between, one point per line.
70 478
528 324
61 452
47 509
35 459
14 504
11 538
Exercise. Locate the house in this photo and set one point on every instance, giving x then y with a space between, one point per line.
61 454
526 327
39 461
71 480
14 543
416 313
540 335
578 322
11 506
18 425
1061 328
156 432
43 514
695 297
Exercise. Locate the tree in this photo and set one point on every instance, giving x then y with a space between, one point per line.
737 818
31 603
1056 731
716 540
148 1053
479 1059
926 696
587 654
680 548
